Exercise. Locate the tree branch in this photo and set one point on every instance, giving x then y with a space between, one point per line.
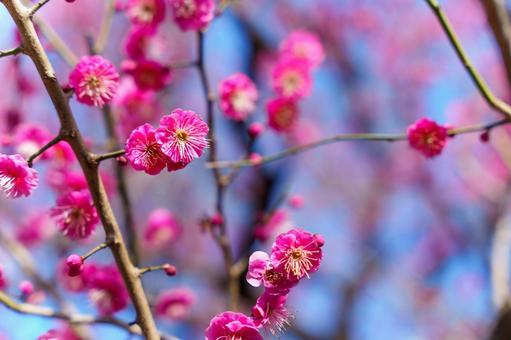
371 137
57 139
72 135
109 155
73 318
498 19
12 51
222 238
481 85
37 7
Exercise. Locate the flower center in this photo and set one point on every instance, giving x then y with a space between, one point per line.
272 276
284 117
241 101
298 261
182 135
187 9
93 84
290 82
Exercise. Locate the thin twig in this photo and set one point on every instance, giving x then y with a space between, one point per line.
37 7
500 23
481 85
73 318
109 155
183 64
152 269
222 238
371 137
57 139
106 24
94 250
12 51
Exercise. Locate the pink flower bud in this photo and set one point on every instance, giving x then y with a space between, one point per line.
296 201
169 269
26 288
255 158
255 129
122 160
217 219
75 265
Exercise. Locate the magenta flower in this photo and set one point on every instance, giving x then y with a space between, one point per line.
271 313
3 280
144 152
261 270
28 138
291 79
94 80
175 304
278 222
238 96
231 325
137 40
75 214
107 290
63 333
16 177
146 12
282 114
182 135
296 254
34 228
304 46
75 265
134 106
193 14
428 137
148 74
162 229
78 283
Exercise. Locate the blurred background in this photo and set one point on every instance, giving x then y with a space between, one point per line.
409 240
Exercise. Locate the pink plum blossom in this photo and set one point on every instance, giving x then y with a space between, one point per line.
16 177
162 229
262 271
282 114
94 80
231 325
427 137
271 313
182 136
302 45
193 15
75 214
107 290
238 96
144 152
148 74
291 79
296 254
175 304
146 12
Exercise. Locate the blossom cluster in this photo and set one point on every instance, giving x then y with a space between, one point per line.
180 138
143 74
294 255
103 284
299 54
